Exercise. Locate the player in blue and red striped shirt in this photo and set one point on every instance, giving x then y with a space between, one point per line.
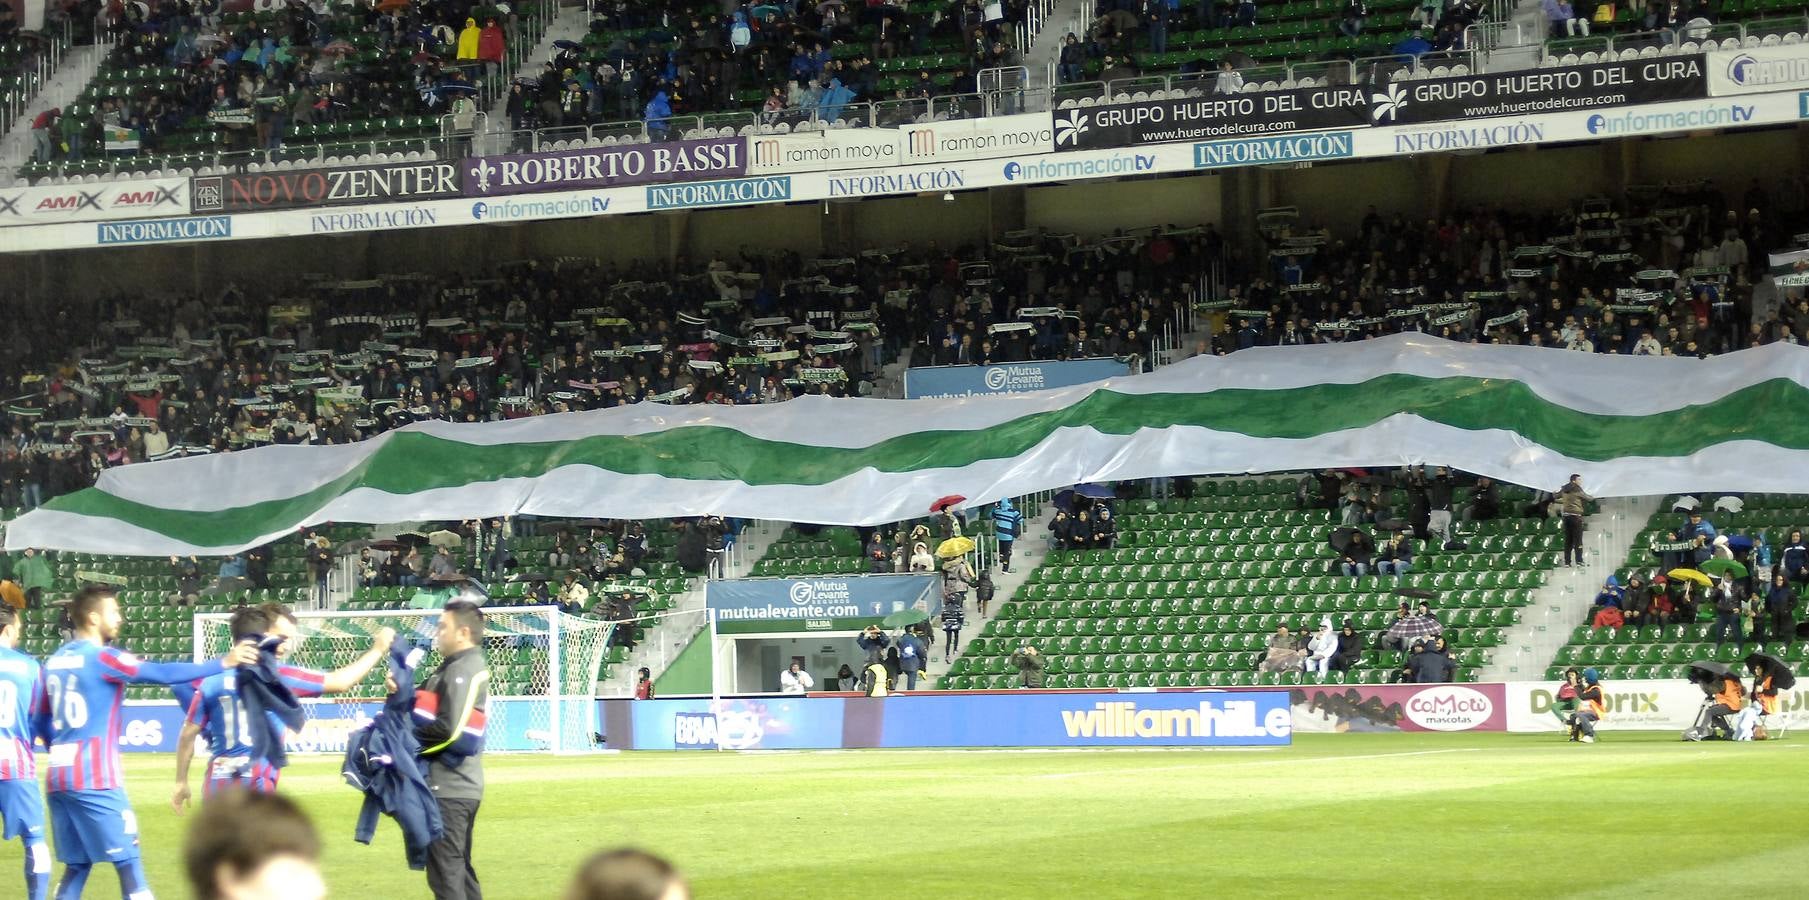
24 722
218 711
85 681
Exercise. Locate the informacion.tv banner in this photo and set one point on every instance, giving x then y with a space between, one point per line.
596 167
1209 117
1007 378
153 726
299 188
1339 708
1644 705
1047 719
1554 89
833 603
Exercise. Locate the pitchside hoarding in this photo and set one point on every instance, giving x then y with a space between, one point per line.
600 167
822 151
134 199
1006 378
830 603
153 726
1646 705
1053 719
1232 117
1758 70
298 188
1550 89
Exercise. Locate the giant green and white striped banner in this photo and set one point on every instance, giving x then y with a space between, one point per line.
1629 425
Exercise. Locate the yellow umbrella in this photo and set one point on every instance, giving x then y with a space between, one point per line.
955 546
12 595
1688 575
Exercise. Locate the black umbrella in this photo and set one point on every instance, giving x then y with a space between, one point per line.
568 45
1766 662
1392 524
412 538
1708 672
533 577
1416 593
1342 537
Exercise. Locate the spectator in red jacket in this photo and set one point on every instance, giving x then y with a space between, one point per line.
43 130
490 43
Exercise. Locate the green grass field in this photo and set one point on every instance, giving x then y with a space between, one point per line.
1461 815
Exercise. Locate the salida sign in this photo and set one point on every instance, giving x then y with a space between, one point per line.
325 187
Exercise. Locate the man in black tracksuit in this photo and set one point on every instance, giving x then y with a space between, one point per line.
449 722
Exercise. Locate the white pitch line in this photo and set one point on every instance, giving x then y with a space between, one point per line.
1056 776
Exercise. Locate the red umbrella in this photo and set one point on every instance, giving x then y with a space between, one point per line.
947 502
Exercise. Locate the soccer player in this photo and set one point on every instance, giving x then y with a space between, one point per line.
217 711
250 846
85 681
24 721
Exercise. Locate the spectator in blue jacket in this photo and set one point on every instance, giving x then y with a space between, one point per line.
1780 604
1700 532
912 656
1007 523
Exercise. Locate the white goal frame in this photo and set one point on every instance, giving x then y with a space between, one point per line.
563 716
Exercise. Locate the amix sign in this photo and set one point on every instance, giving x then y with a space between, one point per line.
249 191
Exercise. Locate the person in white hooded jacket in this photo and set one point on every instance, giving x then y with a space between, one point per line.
1321 648
794 680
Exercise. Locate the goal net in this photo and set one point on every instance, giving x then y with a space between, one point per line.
544 668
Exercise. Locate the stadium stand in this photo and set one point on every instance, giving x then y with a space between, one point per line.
1195 587
1665 650
1687 27
180 89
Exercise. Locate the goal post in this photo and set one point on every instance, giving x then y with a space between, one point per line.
544 668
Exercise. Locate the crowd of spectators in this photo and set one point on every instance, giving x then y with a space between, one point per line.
1679 271
1125 31
789 61
251 78
96 382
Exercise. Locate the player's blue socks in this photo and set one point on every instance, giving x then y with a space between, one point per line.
132 884
37 870
75 878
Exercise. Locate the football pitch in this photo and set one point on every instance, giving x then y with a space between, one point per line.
1432 815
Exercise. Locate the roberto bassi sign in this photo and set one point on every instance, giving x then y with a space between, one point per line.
597 167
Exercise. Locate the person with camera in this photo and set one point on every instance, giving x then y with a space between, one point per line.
794 680
875 642
1030 665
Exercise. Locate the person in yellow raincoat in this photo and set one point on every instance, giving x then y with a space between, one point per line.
468 40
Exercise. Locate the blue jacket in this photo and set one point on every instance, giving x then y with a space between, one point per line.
380 761
1007 522
262 691
911 653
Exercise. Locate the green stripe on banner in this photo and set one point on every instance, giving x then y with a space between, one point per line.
410 462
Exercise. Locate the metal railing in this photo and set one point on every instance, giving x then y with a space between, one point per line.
1036 16
1675 38
59 41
